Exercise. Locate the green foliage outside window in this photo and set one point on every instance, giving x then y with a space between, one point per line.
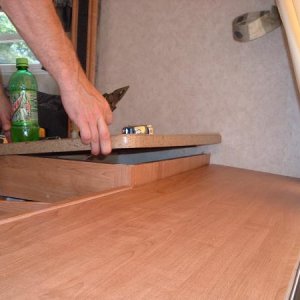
9 51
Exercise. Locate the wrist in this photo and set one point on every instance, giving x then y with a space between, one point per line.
68 81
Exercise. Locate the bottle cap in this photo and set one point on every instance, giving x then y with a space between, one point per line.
22 62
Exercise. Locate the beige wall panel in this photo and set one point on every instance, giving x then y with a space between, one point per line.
187 75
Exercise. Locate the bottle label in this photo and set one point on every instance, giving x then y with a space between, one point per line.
24 106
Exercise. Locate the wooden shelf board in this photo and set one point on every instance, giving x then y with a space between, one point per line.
118 142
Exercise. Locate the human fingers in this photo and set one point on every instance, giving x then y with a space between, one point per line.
8 135
106 109
105 140
5 113
5 126
5 123
97 135
85 133
95 142
108 115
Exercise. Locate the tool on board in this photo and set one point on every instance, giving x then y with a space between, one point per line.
114 97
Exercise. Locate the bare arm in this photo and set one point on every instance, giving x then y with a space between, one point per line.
38 24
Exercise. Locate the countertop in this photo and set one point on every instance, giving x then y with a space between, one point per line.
211 233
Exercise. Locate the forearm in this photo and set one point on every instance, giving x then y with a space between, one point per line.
39 25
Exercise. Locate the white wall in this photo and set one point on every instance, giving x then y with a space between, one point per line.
188 75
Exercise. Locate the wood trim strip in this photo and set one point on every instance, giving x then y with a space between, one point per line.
148 172
74 28
92 40
59 206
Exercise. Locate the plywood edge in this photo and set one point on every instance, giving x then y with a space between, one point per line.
148 172
118 142
161 141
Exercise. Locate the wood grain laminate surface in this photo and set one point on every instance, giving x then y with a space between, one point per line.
55 180
10 208
211 233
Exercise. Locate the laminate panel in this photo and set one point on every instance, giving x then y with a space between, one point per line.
57 180
53 180
210 233
144 173
10 209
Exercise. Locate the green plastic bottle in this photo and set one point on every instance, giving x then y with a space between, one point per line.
23 97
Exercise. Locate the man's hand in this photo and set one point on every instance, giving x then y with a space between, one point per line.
89 110
85 106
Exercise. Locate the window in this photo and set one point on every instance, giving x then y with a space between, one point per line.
12 45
